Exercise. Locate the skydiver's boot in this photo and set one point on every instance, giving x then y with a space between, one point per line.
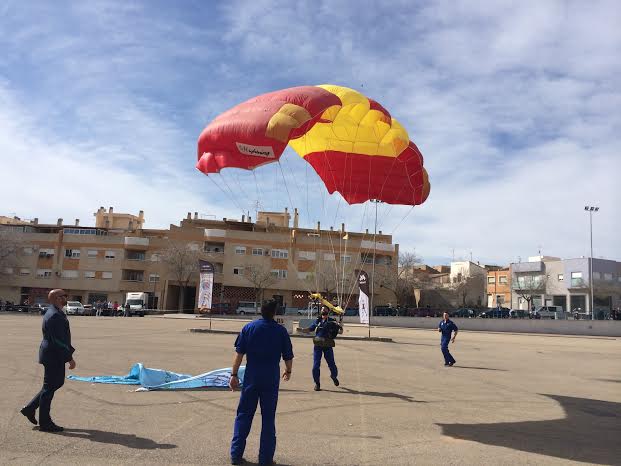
335 380
317 387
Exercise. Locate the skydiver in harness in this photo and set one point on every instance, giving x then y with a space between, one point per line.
326 330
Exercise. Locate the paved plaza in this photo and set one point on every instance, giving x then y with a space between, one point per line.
511 399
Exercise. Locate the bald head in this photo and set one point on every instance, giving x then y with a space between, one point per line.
58 298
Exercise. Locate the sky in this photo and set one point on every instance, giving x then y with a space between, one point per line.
515 106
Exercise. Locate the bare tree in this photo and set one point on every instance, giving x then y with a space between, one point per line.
468 286
333 280
403 281
8 250
181 261
261 278
528 285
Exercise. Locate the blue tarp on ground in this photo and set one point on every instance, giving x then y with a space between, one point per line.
158 379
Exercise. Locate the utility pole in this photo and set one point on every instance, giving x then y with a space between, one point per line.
590 210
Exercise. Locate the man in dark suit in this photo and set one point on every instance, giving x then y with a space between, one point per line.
55 351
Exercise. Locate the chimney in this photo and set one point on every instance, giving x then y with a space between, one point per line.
141 215
295 218
77 222
59 222
331 228
318 226
380 232
342 228
366 231
189 216
195 215
111 210
249 219
243 218
36 221
224 219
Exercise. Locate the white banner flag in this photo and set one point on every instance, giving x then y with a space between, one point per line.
205 290
363 297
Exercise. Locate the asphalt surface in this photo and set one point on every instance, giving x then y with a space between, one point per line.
511 399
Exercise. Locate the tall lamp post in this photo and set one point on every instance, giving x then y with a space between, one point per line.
375 201
590 210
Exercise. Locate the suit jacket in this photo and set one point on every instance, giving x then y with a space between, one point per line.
56 345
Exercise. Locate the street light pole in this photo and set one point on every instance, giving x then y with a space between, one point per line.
590 210
375 201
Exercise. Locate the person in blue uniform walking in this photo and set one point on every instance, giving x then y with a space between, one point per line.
446 328
54 352
264 342
326 329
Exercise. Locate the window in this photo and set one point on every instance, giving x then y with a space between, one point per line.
257 251
89 274
46 253
80 231
24 271
238 270
346 259
44 273
306 255
279 273
576 275
280 253
597 275
133 275
72 253
241 250
502 279
154 277
607 276
27 251
106 275
155 257
491 280
110 255
560 277
91 253
70 274
135 255
328 256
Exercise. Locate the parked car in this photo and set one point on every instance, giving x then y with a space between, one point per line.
351 312
247 307
74 308
496 313
385 311
518 314
463 312
39 308
89 310
221 308
294 311
549 312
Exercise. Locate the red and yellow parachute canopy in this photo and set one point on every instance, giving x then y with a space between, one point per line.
351 141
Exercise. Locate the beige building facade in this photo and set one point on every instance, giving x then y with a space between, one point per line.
119 255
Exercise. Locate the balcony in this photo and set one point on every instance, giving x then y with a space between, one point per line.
365 244
136 242
132 275
578 284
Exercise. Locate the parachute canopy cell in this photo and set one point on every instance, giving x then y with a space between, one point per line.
351 141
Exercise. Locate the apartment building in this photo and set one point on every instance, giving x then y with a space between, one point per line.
498 287
566 283
119 255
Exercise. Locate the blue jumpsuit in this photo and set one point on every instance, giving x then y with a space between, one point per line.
264 342
446 328
328 353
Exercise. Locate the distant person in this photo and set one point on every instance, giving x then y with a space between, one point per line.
127 310
264 342
326 330
54 352
446 328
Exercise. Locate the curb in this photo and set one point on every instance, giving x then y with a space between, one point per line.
341 338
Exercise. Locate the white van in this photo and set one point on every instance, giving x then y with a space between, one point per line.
247 307
550 312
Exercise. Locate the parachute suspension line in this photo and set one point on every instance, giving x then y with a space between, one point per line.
226 195
285 182
235 200
401 221
241 188
259 194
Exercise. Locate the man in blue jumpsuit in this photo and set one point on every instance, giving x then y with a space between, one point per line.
446 327
54 352
324 342
264 342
